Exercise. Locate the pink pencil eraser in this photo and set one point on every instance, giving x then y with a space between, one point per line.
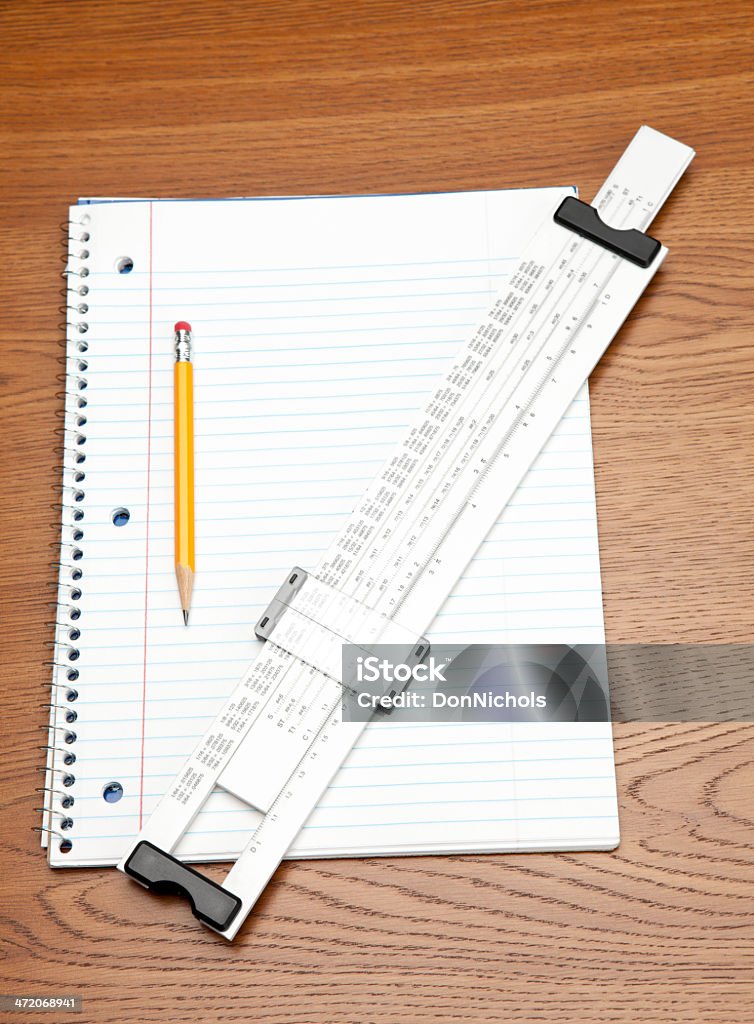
182 326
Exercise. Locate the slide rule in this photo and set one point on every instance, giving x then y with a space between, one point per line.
280 737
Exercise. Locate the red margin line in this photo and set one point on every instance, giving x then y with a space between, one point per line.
146 544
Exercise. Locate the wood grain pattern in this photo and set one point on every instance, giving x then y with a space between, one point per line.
161 98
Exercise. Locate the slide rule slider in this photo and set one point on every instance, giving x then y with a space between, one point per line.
631 244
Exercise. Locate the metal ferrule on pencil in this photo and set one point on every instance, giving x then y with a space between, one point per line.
183 346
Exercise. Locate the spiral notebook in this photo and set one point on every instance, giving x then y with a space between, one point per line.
319 326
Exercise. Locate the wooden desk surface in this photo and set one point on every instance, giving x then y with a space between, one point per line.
162 98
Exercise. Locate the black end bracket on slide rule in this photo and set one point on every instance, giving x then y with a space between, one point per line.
631 244
162 873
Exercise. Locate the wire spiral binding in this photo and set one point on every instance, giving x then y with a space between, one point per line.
59 781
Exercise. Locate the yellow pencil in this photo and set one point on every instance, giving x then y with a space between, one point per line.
183 484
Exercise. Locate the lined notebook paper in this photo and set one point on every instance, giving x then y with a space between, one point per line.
319 326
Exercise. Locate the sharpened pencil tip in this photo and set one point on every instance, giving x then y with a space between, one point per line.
185 617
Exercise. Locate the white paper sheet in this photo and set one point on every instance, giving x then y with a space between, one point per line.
319 325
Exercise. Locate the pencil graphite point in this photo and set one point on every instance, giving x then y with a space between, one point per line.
185 578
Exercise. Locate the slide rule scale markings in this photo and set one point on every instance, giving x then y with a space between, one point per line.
276 744
279 739
488 398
